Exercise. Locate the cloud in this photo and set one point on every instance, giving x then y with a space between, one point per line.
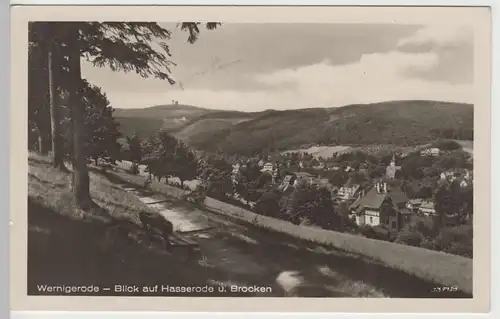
454 46
374 78
330 66
438 36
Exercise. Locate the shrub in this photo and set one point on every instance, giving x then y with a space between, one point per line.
461 249
350 225
428 243
456 240
198 195
134 169
375 232
268 205
409 237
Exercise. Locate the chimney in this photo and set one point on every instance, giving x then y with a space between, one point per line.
378 187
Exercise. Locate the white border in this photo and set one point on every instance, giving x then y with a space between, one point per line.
495 207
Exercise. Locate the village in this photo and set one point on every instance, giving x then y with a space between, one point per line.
365 191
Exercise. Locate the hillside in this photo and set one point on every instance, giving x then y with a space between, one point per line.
143 127
163 111
397 122
147 120
183 121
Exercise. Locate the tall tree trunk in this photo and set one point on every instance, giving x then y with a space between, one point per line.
41 143
43 129
54 102
81 180
38 95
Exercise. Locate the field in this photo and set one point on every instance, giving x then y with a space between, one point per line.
321 151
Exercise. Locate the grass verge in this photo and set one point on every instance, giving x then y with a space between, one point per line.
434 268
68 246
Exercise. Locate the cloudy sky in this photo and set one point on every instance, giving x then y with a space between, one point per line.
288 66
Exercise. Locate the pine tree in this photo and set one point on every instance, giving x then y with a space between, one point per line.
120 46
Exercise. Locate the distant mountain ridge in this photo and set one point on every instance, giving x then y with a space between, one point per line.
394 122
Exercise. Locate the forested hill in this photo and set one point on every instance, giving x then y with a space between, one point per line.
395 122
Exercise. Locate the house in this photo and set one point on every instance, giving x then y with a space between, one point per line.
347 191
267 167
287 182
390 171
302 177
434 151
235 172
416 203
322 182
427 208
236 168
319 166
382 206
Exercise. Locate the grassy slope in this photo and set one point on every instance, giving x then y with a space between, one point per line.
68 246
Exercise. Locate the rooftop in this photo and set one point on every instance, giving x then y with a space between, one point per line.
372 199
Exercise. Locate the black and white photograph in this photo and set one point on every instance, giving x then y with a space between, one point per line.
214 158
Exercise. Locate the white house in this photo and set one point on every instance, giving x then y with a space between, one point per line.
236 168
427 208
434 151
267 167
348 192
381 206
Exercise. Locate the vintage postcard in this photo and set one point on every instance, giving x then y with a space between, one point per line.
250 158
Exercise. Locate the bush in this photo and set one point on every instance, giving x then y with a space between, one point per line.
134 169
461 249
409 237
375 232
456 240
178 185
268 205
428 243
198 195
350 225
